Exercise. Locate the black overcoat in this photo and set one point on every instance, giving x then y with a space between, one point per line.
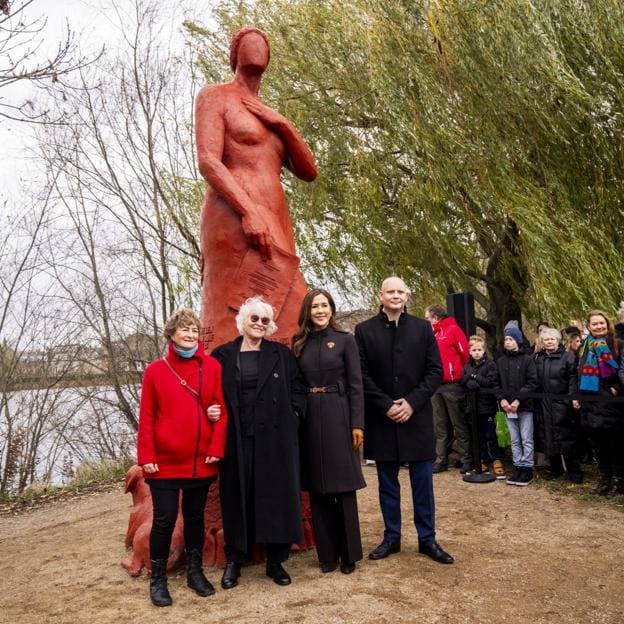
557 423
279 405
398 361
330 359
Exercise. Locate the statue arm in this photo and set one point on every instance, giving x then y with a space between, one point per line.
210 134
298 157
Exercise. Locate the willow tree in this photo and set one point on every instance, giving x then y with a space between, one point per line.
466 145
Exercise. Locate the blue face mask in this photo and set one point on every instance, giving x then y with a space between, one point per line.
185 353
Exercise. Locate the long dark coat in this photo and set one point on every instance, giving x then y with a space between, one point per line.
603 416
280 403
329 464
556 420
398 361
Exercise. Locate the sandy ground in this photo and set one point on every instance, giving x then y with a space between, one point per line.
522 555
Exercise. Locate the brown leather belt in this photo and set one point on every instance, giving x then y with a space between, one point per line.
322 389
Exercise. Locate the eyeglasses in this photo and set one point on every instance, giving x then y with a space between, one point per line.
265 320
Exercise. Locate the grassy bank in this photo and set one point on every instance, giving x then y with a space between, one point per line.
89 477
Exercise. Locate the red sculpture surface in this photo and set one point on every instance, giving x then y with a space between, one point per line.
140 523
247 239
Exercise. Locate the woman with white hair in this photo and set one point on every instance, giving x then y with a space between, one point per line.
259 478
556 374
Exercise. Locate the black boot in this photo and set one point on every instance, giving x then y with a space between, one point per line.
603 486
617 487
158 584
195 578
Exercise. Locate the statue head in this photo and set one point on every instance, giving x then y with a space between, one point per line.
236 40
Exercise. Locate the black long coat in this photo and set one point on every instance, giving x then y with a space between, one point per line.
556 420
329 464
280 402
398 361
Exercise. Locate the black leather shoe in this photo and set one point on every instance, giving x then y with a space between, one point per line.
603 486
617 487
230 575
439 468
384 549
328 566
278 574
436 553
346 567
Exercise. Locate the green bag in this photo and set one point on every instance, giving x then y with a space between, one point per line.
502 430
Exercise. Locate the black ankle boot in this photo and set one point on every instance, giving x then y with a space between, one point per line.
617 487
159 593
603 487
195 578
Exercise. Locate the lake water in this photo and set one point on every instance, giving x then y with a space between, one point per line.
45 434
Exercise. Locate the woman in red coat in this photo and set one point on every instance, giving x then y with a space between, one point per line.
182 425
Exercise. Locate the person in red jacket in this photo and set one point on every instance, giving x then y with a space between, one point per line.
181 438
448 401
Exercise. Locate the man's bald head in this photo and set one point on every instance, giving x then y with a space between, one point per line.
394 282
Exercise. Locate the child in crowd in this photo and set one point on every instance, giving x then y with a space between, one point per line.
518 374
482 372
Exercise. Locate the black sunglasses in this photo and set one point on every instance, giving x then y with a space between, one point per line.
265 320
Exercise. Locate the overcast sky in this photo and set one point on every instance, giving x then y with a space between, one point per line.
94 24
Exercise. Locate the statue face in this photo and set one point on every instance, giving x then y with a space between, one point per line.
253 53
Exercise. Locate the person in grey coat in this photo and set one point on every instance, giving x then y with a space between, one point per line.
401 370
332 431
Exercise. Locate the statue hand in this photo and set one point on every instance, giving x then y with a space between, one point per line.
257 234
269 117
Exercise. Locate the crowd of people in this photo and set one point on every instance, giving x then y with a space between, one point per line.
557 398
272 420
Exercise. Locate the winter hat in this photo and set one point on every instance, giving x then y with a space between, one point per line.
572 330
514 332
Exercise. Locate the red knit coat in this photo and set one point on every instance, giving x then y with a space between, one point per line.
174 430
453 346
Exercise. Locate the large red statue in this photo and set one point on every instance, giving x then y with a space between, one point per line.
247 239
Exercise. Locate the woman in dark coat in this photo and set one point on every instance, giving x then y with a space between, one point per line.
332 431
259 479
598 369
556 374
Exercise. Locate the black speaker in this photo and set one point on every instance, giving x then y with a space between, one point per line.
461 307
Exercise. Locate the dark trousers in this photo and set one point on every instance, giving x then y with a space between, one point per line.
488 442
421 480
165 506
336 527
565 462
609 451
448 405
275 553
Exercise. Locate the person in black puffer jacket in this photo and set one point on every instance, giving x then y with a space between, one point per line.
556 374
482 372
599 375
518 375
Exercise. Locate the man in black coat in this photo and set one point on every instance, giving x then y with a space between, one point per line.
401 369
